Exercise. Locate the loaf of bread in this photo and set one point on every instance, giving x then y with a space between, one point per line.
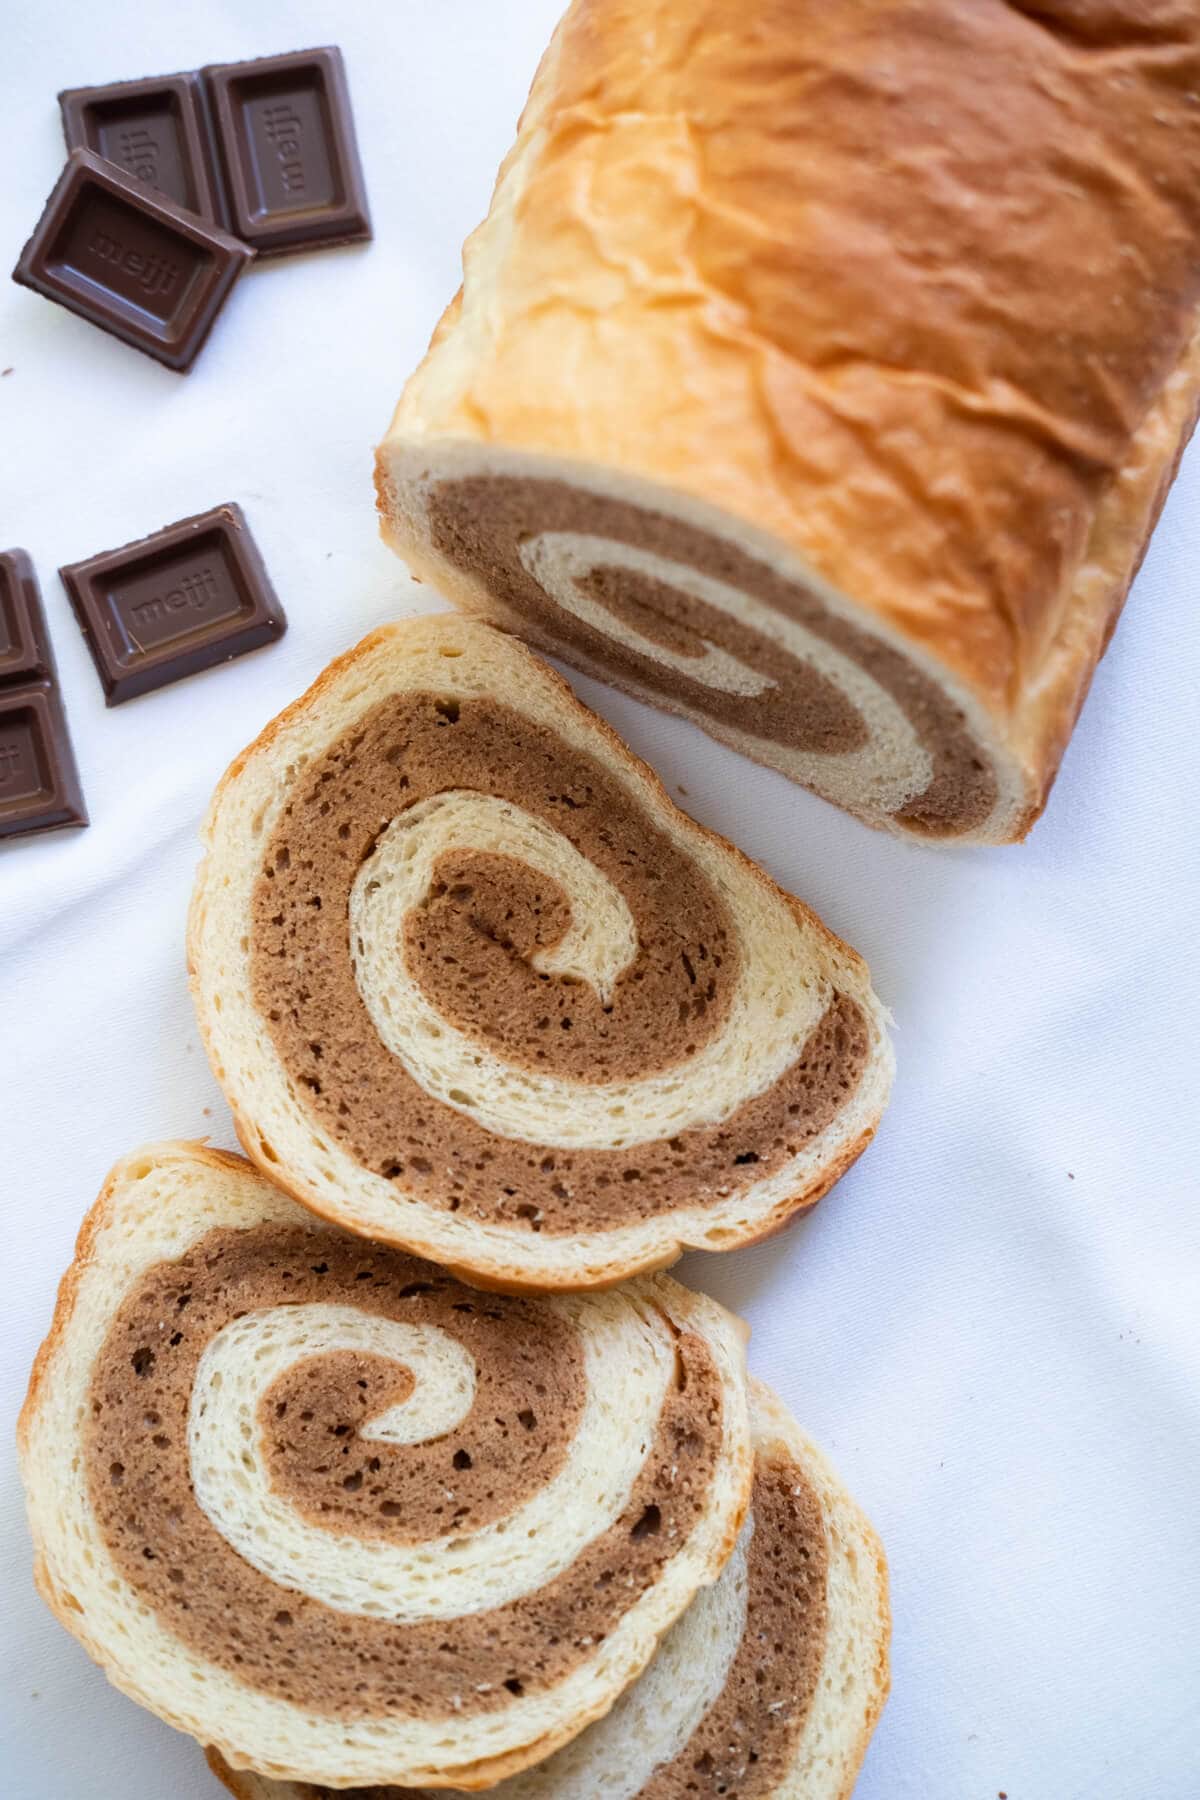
330 1511
818 373
769 1686
474 986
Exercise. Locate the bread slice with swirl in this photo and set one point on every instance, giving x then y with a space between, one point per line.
322 1506
473 985
769 1686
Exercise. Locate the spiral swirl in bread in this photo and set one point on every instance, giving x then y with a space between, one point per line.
320 1505
671 601
769 1686
473 985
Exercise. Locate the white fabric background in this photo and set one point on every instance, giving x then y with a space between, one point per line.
993 1324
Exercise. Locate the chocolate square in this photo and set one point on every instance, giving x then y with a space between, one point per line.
187 597
156 129
39 788
24 649
39 785
285 131
131 261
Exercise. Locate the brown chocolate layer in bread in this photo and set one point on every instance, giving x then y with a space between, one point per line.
285 1644
745 1742
479 523
746 1739
486 913
527 1406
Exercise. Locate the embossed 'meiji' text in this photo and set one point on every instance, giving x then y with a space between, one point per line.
194 593
283 129
12 763
156 274
139 152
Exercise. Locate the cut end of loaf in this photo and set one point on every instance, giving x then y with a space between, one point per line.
683 606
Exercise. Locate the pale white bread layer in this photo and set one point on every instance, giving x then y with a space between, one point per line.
650 1727
730 287
157 1205
790 971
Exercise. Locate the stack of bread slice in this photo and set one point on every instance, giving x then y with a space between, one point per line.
393 1463
350 1522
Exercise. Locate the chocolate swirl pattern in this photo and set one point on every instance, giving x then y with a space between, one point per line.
474 986
769 1686
347 1520
648 592
840 728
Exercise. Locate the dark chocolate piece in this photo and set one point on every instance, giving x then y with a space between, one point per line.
39 784
131 261
156 129
191 595
24 643
285 132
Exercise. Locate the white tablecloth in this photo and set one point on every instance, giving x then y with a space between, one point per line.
993 1324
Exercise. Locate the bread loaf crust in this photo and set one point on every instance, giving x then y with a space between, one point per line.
906 293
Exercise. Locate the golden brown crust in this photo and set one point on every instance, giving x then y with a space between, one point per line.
239 1784
967 420
1117 547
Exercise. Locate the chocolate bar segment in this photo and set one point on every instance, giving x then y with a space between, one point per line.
126 258
24 645
192 595
39 784
157 130
285 132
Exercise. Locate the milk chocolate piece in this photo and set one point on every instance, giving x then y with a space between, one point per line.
111 249
191 595
24 643
39 786
156 129
285 132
